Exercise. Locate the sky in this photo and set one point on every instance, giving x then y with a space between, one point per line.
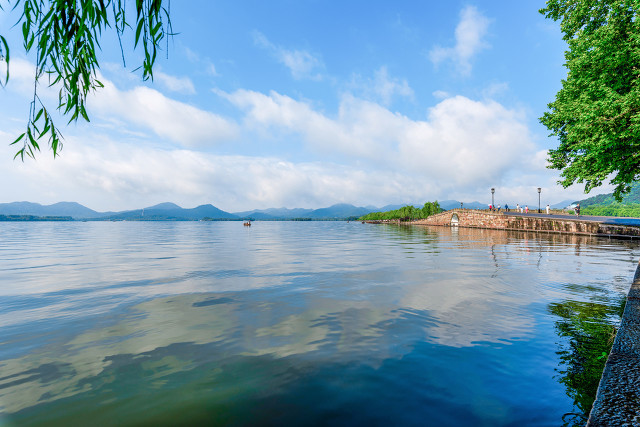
304 104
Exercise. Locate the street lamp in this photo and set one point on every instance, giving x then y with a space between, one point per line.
493 190
539 190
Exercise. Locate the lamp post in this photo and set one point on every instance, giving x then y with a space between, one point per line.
539 191
493 190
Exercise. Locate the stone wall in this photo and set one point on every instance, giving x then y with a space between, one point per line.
618 400
499 221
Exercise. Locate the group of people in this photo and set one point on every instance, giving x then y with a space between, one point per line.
525 209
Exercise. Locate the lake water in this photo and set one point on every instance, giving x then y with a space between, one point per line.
293 323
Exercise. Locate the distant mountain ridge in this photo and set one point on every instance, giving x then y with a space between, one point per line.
162 211
72 209
453 204
275 213
171 212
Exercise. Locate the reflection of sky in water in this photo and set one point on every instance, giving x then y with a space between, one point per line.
288 319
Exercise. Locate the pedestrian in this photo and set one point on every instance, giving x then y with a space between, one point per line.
517 207
578 209
506 207
548 210
498 207
526 209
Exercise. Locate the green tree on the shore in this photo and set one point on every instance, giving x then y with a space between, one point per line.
596 114
65 36
406 212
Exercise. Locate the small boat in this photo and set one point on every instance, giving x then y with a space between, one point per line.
247 223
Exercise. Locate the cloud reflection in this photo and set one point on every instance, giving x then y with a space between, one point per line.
280 306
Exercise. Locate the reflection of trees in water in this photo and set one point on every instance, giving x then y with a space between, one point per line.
590 328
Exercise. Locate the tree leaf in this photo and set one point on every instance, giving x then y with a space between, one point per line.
15 141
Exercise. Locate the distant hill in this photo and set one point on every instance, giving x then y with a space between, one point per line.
172 212
275 213
341 210
338 211
12 218
607 199
452 204
162 211
561 205
72 209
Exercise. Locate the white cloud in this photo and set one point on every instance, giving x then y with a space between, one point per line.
387 87
382 87
495 89
211 70
441 94
107 175
301 63
429 159
21 78
540 159
193 57
175 84
469 35
167 118
143 107
462 142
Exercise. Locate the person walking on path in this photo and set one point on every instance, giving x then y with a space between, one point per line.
506 207
526 209
578 209
548 209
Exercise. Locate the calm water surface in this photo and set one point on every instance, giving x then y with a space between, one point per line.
290 323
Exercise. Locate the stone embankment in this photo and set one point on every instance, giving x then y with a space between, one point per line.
540 223
618 400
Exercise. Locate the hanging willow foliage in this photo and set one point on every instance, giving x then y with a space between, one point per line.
65 36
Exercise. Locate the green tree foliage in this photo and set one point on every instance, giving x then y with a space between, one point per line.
606 199
596 114
405 213
65 36
631 210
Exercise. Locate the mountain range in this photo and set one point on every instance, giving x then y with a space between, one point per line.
172 212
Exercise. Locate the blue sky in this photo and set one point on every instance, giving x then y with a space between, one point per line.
306 104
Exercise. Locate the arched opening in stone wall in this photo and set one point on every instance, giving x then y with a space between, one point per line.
454 220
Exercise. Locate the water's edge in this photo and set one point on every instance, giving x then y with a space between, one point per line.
618 398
